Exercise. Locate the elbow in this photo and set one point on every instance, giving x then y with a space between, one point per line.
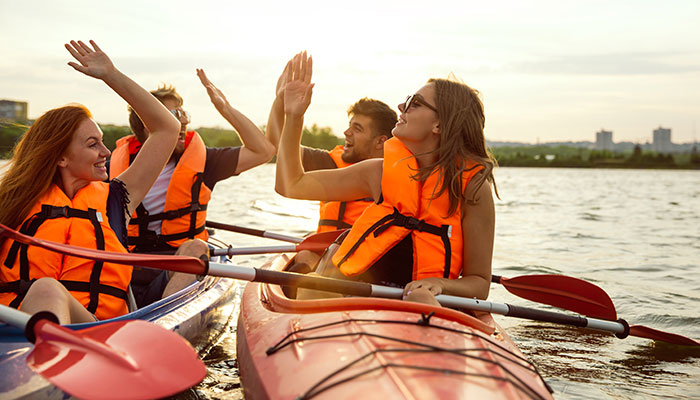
281 189
270 151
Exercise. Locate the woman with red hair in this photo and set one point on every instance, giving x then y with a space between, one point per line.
54 189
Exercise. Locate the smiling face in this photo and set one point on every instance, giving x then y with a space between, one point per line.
174 106
360 141
84 159
418 127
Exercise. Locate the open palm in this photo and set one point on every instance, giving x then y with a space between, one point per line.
91 61
215 95
297 91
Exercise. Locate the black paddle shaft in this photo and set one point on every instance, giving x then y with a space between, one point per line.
313 282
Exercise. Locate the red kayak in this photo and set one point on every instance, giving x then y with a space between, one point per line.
357 347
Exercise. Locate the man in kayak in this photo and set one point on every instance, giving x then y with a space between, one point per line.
174 210
370 125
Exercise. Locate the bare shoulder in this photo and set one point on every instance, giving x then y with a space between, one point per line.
482 204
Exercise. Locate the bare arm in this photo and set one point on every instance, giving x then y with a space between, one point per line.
161 124
478 221
275 121
360 180
256 148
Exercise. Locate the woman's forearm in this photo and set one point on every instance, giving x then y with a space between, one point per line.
154 115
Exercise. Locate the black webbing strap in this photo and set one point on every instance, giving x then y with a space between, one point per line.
30 227
154 239
144 218
410 223
150 239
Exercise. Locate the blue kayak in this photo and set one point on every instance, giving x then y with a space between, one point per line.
199 313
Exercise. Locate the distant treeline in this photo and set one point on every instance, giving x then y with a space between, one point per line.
11 132
573 157
507 156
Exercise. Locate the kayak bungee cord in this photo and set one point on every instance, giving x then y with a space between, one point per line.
319 387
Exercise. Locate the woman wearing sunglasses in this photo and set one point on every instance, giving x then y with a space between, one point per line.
431 230
53 189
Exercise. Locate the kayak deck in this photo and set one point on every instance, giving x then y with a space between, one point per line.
199 313
351 347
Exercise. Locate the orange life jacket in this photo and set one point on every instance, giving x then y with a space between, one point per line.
82 221
186 200
407 207
340 214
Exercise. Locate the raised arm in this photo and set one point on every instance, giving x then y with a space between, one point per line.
357 181
162 126
275 121
256 148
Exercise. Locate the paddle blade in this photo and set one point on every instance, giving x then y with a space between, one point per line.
563 292
318 242
653 334
118 360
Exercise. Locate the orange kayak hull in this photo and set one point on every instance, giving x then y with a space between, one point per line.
346 348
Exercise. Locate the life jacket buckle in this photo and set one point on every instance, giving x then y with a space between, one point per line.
59 212
412 223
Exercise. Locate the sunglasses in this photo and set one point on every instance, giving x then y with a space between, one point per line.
418 99
179 113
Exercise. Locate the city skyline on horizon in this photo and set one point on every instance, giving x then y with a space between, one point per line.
547 71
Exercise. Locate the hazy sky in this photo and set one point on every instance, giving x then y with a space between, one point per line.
547 70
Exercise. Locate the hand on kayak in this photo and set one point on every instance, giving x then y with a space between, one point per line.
297 91
93 62
433 285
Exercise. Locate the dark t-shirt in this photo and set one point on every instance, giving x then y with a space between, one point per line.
221 164
313 159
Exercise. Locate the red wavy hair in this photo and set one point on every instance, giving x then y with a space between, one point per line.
34 163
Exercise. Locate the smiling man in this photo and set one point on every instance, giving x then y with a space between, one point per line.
174 211
371 122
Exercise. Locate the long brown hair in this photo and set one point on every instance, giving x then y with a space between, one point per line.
34 163
461 117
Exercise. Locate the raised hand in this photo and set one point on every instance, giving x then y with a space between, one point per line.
297 91
215 95
92 61
282 81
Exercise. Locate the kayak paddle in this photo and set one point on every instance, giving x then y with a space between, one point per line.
560 291
196 266
254 232
318 242
131 359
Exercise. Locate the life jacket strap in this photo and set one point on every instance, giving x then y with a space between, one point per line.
410 223
31 226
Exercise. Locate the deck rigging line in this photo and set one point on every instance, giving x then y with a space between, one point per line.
319 387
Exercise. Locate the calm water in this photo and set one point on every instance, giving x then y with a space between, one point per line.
635 233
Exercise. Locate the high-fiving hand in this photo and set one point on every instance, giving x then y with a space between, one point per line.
297 91
215 95
92 62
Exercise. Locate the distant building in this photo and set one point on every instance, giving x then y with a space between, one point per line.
603 140
662 140
13 110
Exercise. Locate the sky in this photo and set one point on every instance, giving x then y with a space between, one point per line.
546 70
